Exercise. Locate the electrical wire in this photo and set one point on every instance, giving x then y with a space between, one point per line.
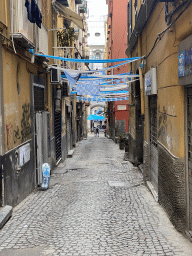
160 35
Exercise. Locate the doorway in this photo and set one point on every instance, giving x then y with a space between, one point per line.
153 141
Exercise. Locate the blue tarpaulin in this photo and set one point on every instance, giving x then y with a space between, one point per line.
95 118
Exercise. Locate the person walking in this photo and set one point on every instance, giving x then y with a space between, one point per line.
97 131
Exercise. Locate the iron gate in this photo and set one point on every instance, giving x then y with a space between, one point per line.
58 135
153 142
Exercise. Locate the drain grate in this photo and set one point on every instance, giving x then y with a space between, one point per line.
123 184
118 184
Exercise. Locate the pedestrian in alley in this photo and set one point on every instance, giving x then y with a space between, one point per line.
97 132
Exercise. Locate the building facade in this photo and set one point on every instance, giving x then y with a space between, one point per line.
38 121
116 46
161 101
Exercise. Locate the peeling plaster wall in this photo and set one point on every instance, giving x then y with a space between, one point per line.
170 110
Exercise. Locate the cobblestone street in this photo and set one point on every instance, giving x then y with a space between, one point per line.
96 204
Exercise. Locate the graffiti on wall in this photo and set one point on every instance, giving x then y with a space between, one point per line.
14 134
26 123
164 128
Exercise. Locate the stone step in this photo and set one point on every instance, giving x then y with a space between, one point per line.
70 153
5 214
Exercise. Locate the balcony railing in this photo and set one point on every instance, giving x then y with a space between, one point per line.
63 2
83 7
78 1
65 52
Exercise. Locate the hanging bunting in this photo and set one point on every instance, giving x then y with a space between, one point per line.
85 60
98 99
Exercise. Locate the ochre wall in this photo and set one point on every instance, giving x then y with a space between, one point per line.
4 12
170 102
16 101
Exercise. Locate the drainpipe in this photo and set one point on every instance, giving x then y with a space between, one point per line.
2 136
141 77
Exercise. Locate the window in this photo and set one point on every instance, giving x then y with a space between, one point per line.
129 20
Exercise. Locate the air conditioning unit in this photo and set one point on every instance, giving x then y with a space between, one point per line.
55 75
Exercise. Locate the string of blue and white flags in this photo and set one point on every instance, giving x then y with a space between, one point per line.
94 85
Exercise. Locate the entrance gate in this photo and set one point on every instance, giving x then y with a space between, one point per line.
153 142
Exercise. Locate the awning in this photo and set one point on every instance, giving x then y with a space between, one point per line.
95 118
69 14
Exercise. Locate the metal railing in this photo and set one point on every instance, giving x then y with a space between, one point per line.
65 52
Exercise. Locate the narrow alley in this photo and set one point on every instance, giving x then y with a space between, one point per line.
96 204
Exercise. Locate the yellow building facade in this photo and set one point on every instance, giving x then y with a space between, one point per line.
160 102
38 121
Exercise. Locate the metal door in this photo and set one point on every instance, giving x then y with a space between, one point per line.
189 143
39 146
58 135
153 142
68 133
46 137
38 103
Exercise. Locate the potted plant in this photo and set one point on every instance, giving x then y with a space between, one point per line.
121 140
66 37
126 144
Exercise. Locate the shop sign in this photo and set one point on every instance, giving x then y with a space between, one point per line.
185 62
121 107
151 82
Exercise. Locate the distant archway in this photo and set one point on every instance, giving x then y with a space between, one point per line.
98 105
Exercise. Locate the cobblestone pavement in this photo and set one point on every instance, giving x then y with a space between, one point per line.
97 204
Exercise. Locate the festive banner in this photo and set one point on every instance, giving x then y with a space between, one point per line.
85 60
91 88
72 78
98 99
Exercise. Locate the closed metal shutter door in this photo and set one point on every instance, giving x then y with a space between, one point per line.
153 141
39 146
68 134
189 135
39 98
58 135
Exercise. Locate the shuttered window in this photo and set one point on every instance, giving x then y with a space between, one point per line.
129 20
39 98
58 135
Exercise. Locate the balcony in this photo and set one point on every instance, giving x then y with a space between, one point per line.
21 28
65 52
78 1
64 2
68 14
83 7
144 13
